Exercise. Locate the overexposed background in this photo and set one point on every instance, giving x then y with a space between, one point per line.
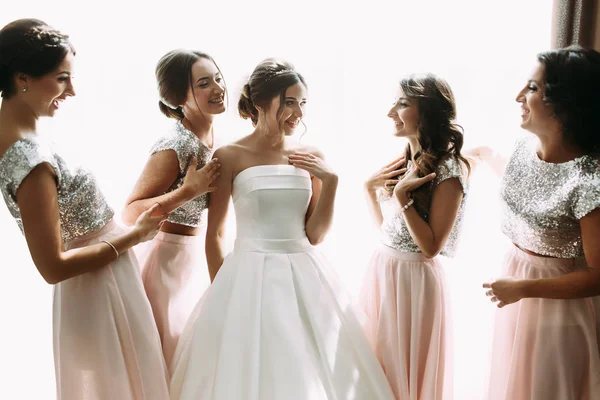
352 57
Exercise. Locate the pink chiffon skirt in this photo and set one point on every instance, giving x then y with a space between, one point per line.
543 348
404 296
175 276
106 345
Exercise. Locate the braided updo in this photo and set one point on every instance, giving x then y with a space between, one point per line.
31 47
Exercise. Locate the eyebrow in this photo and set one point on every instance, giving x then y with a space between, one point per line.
64 72
532 81
293 98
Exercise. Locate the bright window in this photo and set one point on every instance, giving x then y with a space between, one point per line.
352 57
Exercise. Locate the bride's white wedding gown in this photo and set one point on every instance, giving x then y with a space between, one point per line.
276 323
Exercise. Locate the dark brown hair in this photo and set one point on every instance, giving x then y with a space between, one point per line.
31 47
438 134
572 87
269 79
174 77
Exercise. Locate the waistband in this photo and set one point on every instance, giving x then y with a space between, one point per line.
272 245
402 255
548 261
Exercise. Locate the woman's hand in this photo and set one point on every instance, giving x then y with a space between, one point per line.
148 225
314 165
505 291
198 181
411 182
384 177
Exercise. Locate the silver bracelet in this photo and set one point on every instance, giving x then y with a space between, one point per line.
112 246
407 205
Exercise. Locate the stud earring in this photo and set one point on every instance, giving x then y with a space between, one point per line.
24 89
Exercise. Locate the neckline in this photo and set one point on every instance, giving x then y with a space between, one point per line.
533 146
12 146
572 161
248 169
187 131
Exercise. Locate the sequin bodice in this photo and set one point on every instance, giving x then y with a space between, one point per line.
186 145
82 207
394 230
543 202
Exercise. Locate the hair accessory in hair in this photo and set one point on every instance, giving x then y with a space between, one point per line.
271 75
50 37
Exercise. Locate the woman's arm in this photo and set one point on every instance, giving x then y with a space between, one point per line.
386 176
373 206
217 212
37 199
582 283
485 154
161 170
574 285
431 236
319 215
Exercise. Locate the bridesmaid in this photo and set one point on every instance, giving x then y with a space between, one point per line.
175 273
547 333
105 342
417 201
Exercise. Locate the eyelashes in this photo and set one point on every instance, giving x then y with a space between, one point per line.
291 103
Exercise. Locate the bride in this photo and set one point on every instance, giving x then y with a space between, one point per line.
275 323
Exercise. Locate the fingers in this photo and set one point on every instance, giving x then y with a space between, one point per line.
394 173
391 182
418 182
214 176
501 304
151 210
193 164
398 161
396 164
489 293
303 165
494 299
212 166
161 216
427 178
302 162
211 189
301 157
487 285
211 171
159 220
152 221
300 154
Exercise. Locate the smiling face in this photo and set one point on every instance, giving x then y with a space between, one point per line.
45 94
206 94
291 112
405 115
536 115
